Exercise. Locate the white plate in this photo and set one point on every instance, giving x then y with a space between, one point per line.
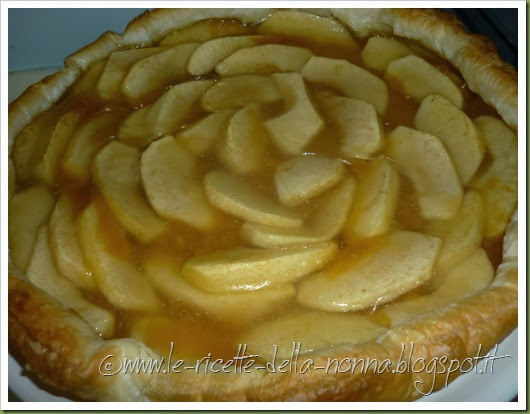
499 385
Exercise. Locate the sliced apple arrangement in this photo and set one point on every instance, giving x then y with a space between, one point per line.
240 173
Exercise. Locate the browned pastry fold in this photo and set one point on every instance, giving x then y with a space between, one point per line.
63 351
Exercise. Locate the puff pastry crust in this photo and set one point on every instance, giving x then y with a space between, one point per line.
62 350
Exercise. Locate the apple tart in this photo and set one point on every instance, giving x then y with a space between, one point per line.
219 185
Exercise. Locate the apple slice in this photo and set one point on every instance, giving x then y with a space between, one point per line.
240 90
85 143
300 122
460 282
467 277
308 27
235 197
243 269
235 307
11 179
181 338
172 186
108 253
313 330
201 137
214 51
28 210
498 184
65 246
87 84
306 176
418 78
116 171
326 222
399 262
117 67
157 71
243 149
264 59
30 145
375 202
46 169
438 116
380 51
500 140
424 159
43 274
461 235
360 129
164 115
351 80
206 30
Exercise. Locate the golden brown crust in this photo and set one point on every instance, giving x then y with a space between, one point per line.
52 340
62 350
